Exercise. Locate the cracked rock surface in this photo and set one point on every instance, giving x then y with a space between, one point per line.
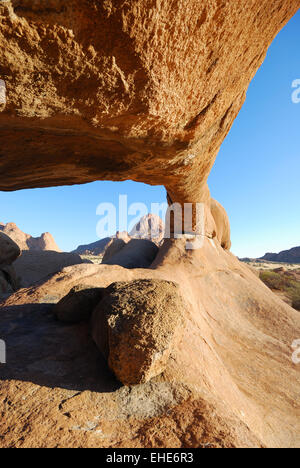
137 325
229 381
131 89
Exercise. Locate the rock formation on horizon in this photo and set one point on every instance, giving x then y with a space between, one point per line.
95 248
142 230
38 258
27 242
150 227
286 256
99 247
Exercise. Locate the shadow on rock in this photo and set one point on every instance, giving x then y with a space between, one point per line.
45 352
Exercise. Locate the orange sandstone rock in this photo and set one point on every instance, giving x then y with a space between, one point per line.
27 242
143 322
132 89
229 382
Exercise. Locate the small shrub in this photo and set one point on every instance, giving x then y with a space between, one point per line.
285 283
272 280
296 304
294 293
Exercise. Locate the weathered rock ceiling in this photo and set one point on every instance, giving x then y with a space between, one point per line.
126 89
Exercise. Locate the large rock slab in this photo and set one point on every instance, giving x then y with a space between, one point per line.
137 253
78 304
9 250
33 266
57 391
137 326
234 355
8 280
112 249
136 90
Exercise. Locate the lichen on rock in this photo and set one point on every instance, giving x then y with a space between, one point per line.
137 325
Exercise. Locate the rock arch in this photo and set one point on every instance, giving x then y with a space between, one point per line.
147 90
143 90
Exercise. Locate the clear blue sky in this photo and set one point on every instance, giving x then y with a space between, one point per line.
256 176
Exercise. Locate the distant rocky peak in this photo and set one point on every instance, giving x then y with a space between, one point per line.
149 227
26 241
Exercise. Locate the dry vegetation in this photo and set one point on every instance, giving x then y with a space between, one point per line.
282 278
284 282
97 259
